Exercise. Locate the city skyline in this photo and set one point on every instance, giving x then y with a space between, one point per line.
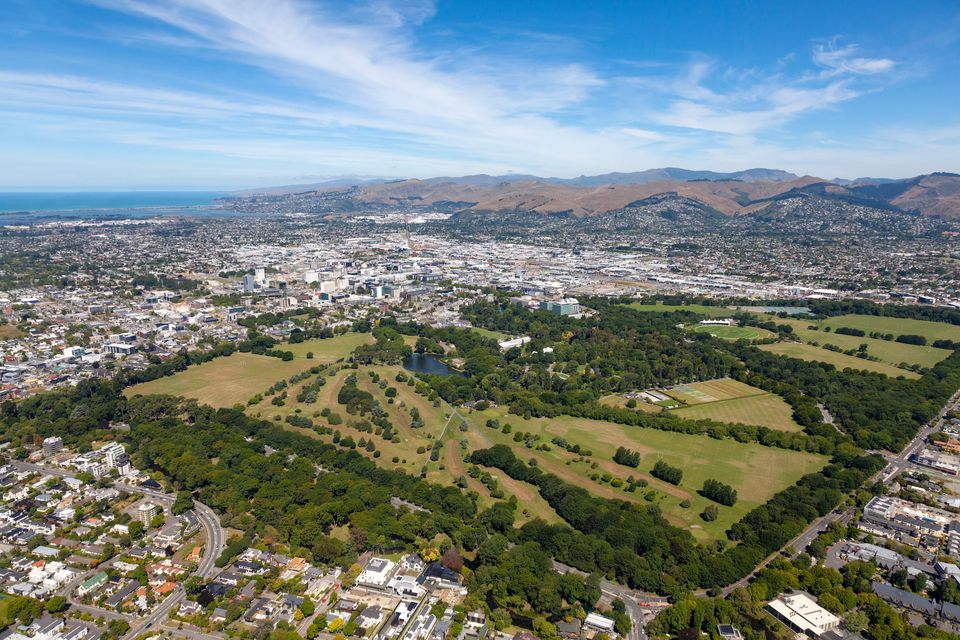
124 94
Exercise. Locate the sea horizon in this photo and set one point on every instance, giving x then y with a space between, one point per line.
72 201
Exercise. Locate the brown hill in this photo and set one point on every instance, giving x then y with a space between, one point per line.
935 194
727 196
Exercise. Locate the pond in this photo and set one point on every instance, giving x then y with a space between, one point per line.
425 363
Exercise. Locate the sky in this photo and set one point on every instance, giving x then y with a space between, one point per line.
140 94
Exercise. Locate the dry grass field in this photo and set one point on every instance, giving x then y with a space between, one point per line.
235 379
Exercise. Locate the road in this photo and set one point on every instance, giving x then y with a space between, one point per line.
206 568
628 596
895 466
216 540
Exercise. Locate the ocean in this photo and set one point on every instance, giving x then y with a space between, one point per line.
31 207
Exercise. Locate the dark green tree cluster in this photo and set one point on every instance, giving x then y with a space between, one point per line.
719 492
626 457
666 472
389 348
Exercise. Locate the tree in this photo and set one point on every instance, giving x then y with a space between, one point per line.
719 492
667 473
627 457
56 604
307 607
452 559
710 513
856 621
183 503
543 629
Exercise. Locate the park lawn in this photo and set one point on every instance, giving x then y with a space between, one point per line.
734 332
487 333
406 450
711 391
529 502
839 360
328 349
410 439
755 471
888 351
615 400
9 332
764 410
897 326
224 382
712 312
436 420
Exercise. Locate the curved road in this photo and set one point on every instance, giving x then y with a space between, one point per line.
895 466
615 590
215 542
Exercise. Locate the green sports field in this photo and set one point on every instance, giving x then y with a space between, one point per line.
888 351
487 333
711 391
763 410
839 360
734 332
329 349
727 400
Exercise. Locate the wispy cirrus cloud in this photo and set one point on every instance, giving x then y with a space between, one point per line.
710 97
846 60
362 83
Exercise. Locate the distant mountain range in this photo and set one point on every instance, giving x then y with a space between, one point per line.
738 193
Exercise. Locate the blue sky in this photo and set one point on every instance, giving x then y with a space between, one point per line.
236 93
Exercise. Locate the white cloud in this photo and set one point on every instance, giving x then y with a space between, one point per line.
645 134
366 89
844 60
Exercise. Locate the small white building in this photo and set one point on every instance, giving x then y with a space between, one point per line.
801 613
377 572
120 349
506 345
599 622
